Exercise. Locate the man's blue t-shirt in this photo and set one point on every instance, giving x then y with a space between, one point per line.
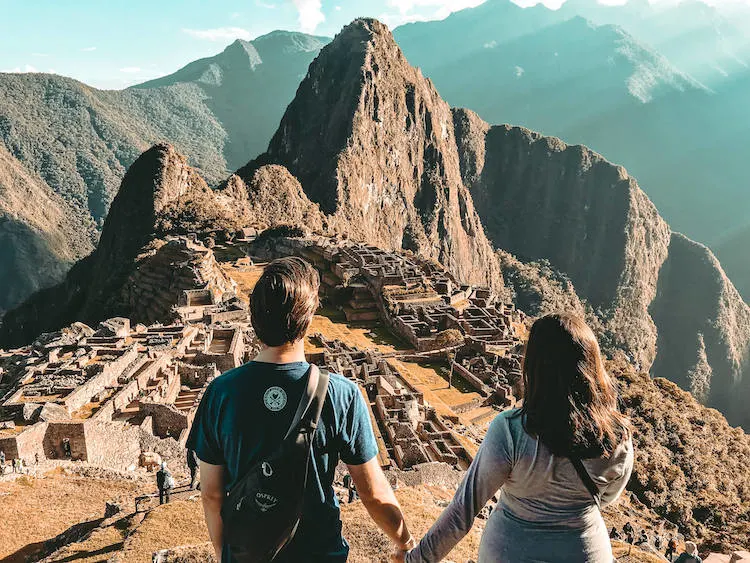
245 414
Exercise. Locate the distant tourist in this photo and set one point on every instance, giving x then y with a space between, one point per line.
642 538
614 534
192 463
690 555
671 547
557 460
250 417
66 448
2 461
628 528
350 487
165 483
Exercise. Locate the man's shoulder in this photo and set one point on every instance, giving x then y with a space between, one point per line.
228 379
340 385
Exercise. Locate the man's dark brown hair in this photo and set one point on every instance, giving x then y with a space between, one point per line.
570 401
284 301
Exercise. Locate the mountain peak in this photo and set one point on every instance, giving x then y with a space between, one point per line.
372 142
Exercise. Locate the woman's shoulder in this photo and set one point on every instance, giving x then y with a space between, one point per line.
507 426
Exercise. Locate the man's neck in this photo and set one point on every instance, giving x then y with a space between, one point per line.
284 354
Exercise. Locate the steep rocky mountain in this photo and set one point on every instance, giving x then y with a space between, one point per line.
372 143
660 297
79 140
608 87
160 195
40 235
369 150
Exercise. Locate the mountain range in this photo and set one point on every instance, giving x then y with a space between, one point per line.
74 143
369 150
659 89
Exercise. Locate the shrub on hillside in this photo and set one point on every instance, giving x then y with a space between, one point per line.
691 467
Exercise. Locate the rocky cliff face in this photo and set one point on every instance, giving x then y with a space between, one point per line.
541 199
372 142
160 195
704 330
660 297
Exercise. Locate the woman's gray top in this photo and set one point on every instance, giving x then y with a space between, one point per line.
545 512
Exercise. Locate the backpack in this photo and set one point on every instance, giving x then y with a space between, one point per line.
262 510
169 481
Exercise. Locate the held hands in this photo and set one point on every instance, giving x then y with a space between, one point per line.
399 552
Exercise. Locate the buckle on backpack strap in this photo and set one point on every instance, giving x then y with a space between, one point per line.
266 469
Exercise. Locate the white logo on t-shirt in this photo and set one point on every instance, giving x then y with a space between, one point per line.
274 398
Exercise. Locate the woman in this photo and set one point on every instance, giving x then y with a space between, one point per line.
547 509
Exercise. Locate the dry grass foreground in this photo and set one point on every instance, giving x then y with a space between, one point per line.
180 527
33 510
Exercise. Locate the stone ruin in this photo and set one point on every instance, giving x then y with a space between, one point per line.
409 432
104 396
423 304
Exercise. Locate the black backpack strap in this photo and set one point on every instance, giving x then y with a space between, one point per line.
588 481
316 406
311 403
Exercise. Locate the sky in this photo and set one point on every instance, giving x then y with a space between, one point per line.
109 44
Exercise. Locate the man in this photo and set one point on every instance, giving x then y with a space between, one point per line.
671 547
165 483
192 463
642 538
350 487
2 461
246 412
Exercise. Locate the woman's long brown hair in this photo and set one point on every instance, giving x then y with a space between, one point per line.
570 401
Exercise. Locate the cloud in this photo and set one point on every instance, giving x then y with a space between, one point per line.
130 69
88 49
519 71
490 44
420 10
20 70
338 8
40 54
223 34
309 13
266 5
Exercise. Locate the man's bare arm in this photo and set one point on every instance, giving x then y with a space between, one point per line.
212 495
380 502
